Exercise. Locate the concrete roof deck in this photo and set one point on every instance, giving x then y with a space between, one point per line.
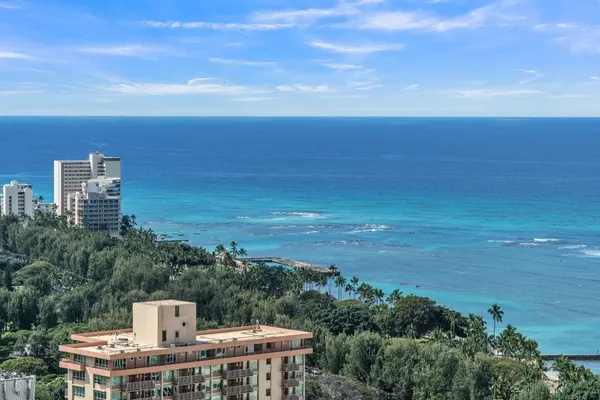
121 342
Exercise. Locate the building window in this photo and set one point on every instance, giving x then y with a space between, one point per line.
268 392
177 311
170 358
119 364
100 380
268 361
164 336
99 395
78 391
101 363
115 382
176 334
201 354
268 376
79 359
79 375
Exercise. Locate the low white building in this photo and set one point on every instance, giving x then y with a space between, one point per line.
17 199
14 386
97 208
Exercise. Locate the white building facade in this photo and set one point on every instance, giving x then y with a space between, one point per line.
89 192
97 208
69 175
14 386
17 199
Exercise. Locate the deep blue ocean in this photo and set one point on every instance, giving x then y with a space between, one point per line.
466 211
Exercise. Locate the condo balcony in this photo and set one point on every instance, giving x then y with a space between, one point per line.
237 373
190 380
236 390
190 396
291 383
142 385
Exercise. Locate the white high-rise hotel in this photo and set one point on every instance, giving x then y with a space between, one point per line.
89 192
17 199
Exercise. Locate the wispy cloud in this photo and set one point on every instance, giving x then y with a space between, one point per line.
365 48
12 5
343 67
14 55
250 99
304 88
411 87
218 26
128 50
489 93
19 92
192 87
534 76
595 78
245 63
295 17
498 13
369 87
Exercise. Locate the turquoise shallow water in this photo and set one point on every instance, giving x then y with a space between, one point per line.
465 211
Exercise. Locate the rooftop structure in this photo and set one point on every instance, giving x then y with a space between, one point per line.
163 356
16 386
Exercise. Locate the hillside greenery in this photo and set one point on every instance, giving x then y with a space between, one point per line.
57 279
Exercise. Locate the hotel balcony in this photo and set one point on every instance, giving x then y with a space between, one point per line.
291 367
143 385
236 390
190 380
190 396
237 373
291 383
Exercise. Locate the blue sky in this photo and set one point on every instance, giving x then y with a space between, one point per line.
300 57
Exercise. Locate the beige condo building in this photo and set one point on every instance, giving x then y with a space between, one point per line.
163 357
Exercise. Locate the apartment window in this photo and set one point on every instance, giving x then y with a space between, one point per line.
79 359
100 380
78 391
268 376
101 363
268 392
170 358
119 364
167 391
116 396
268 361
167 375
115 382
79 375
177 311
155 376
202 355
176 334
99 395
152 360
164 336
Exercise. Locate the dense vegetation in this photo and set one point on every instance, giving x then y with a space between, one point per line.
57 280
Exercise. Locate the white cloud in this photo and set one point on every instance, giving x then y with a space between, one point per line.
19 92
295 17
498 13
196 80
357 48
12 5
220 26
535 75
164 89
569 96
304 88
250 99
242 62
489 93
129 50
343 67
595 78
411 87
369 87
15 56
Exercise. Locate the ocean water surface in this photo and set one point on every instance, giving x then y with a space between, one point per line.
466 211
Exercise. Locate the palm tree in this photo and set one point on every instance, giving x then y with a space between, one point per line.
354 282
234 251
349 288
394 297
242 252
340 282
497 314
378 295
